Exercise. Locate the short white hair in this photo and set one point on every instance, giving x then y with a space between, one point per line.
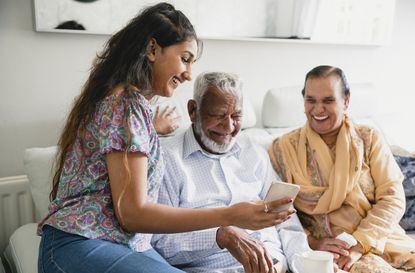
227 83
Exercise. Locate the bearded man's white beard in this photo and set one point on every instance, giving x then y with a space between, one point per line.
210 144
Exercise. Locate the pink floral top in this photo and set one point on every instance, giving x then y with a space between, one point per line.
83 204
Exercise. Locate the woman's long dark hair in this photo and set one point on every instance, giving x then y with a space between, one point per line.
123 61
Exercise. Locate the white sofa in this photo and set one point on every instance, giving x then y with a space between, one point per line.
282 111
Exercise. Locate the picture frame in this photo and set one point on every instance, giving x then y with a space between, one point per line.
317 21
233 19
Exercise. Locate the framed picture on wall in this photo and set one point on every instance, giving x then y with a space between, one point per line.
341 21
85 16
211 18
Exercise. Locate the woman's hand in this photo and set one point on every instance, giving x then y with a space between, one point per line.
335 246
258 215
355 253
165 121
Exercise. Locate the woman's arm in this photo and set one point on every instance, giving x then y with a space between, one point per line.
275 155
135 214
389 205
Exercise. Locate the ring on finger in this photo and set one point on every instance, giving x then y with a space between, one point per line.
266 209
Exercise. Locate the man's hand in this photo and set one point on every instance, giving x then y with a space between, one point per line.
346 262
250 252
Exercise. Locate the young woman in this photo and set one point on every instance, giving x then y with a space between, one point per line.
109 165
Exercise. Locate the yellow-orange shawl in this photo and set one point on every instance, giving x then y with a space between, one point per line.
339 177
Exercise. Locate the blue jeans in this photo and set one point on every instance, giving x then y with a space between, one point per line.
64 252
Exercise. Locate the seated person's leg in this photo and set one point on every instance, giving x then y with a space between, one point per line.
373 263
65 252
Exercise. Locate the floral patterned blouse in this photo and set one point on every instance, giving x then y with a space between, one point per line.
83 204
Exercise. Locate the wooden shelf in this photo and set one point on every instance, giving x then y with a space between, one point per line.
290 41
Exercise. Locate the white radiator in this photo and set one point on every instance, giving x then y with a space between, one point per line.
16 206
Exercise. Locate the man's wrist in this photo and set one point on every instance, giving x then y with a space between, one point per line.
223 235
219 237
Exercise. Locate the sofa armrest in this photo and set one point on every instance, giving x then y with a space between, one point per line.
411 234
23 249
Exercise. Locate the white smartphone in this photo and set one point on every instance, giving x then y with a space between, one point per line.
278 190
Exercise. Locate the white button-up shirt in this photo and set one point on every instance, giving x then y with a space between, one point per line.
195 178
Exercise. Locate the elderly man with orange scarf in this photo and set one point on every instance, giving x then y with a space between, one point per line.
350 182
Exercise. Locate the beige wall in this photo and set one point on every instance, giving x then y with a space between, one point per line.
40 73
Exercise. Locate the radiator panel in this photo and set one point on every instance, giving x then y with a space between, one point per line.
16 206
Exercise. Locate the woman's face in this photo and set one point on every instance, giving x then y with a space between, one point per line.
325 105
171 66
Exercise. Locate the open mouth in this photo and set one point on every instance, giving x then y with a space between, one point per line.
176 81
221 136
320 118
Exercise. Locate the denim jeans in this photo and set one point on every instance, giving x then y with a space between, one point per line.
64 252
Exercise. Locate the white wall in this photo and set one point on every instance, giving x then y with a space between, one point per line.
41 73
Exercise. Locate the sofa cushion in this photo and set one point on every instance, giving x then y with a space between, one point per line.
283 107
258 135
38 164
407 165
249 117
398 129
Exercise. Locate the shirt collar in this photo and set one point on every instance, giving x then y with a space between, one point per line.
190 146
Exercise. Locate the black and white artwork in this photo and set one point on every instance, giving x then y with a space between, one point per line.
211 18
318 20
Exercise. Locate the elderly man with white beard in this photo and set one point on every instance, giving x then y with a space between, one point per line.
209 165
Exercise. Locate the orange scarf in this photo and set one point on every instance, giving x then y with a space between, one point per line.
338 177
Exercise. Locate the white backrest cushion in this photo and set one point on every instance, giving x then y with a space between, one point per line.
249 117
258 135
364 101
284 107
38 163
